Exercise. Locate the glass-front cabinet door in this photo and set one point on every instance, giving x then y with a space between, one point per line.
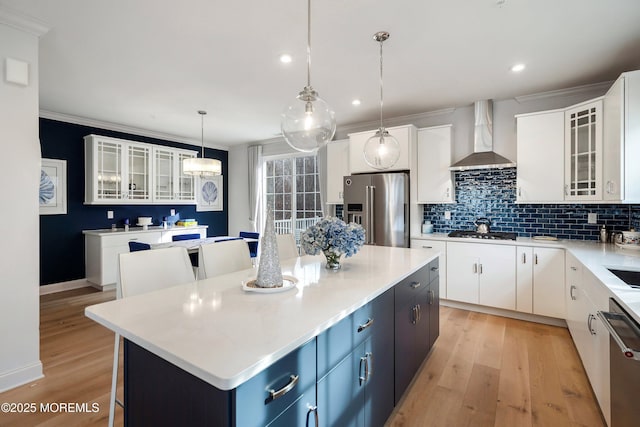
171 185
583 152
108 171
139 173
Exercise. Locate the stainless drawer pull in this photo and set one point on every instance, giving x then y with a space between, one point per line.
431 297
313 409
369 365
368 323
626 350
590 319
415 285
362 377
276 394
427 247
435 268
573 297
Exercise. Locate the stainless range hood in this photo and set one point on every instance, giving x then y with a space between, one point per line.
483 156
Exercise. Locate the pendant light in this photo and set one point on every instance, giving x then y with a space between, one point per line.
309 122
202 166
382 150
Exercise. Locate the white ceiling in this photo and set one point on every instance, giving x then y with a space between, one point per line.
151 64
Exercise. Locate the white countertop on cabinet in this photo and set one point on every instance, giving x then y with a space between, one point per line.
109 231
594 255
224 335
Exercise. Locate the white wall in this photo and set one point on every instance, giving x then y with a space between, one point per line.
19 220
238 190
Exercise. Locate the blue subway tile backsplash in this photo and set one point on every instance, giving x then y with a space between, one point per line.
491 193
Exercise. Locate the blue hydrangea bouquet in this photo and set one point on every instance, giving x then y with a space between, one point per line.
334 238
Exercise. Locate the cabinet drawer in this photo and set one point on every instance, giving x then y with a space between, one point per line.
434 270
255 393
407 290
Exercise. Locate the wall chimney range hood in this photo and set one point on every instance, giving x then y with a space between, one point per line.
483 156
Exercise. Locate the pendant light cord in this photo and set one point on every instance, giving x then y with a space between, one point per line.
202 113
309 43
381 92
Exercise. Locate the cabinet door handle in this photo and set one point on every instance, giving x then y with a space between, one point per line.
519 191
419 310
475 268
480 268
573 268
431 297
524 257
414 314
369 364
415 285
566 190
313 409
364 326
276 394
590 319
362 370
535 259
448 193
571 289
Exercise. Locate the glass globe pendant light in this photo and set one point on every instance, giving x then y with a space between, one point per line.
382 150
201 166
309 122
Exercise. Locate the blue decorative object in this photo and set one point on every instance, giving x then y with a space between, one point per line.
334 238
47 188
209 192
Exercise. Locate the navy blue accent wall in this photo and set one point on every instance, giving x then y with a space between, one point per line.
61 238
491 193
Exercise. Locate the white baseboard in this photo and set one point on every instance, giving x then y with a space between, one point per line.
505 313
18 377
64 286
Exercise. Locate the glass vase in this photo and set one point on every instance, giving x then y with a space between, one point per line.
333 259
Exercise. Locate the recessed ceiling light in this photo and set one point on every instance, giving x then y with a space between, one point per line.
355 102
285 58
517 68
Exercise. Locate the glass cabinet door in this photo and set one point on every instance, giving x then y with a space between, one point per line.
186 189
583 152
139 173
109 170
164 174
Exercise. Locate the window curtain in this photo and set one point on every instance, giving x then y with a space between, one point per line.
255 187
321 159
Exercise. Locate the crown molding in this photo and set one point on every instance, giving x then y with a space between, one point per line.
603 86
83 121
28 24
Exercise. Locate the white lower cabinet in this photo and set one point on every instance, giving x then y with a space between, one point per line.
483 274
540 281
441 246
585 296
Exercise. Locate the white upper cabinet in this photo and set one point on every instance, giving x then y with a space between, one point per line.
540 158
621 118
170 184
435 180
583 152
337 168
405 135
118 171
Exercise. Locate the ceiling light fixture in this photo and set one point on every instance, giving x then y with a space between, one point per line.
517 68
355 102
285 58
201 166
309 122
382 150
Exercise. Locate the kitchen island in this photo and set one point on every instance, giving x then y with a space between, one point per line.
210 344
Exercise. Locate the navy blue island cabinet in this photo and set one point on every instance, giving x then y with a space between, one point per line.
351 374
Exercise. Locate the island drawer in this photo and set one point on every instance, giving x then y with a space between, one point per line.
418 282
268 394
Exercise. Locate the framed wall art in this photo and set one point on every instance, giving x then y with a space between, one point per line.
209 193
53 187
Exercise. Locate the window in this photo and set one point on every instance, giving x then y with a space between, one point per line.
292 189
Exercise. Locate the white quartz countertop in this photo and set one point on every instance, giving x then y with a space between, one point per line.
224 335
594 255
132 229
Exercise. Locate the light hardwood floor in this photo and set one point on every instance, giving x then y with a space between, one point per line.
483 371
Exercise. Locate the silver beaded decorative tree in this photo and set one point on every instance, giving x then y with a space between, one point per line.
269 270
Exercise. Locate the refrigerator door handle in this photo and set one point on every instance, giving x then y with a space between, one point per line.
371 213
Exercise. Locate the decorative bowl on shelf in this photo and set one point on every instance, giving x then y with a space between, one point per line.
144 220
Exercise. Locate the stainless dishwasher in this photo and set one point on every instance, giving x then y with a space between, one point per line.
624 349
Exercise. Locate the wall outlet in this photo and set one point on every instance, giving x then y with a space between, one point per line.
109 214
173 212
447 214
592 218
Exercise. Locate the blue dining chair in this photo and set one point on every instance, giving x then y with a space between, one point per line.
253 246
138 246
185 237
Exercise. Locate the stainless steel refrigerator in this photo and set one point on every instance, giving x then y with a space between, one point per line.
380 203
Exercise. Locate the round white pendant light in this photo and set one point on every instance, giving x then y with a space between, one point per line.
308 123
382 150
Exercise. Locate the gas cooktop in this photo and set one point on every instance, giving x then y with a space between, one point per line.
492 235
